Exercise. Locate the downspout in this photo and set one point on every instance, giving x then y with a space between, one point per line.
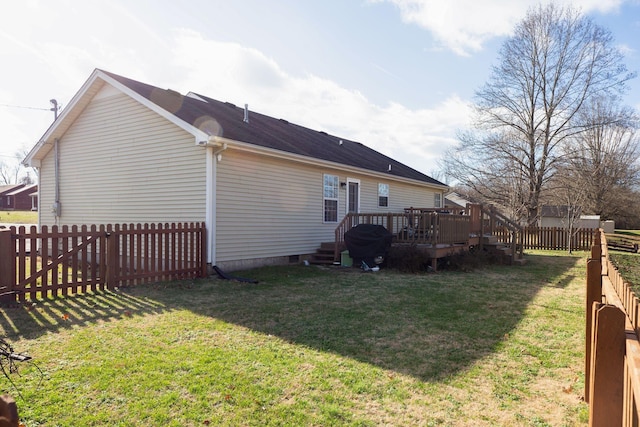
213 157
56 208
39 205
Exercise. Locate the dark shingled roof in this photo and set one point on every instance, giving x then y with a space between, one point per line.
226 120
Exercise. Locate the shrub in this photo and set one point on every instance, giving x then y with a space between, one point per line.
410 259
407 259
468 260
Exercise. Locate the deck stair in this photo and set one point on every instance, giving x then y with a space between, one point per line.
502 251
324 254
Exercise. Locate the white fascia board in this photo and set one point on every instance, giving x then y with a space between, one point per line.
256 149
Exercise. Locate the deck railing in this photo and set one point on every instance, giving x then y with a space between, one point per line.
417 226
494 223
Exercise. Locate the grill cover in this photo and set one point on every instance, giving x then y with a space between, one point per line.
365 242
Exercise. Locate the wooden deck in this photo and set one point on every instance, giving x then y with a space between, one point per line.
437 232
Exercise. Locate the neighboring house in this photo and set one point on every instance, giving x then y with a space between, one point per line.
558 216
20 198
455 202
16 197
268 190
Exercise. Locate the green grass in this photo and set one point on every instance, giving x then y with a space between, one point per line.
628 264
312 346
635 233
18 217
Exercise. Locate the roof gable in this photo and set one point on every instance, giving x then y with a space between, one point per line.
23 189
6 189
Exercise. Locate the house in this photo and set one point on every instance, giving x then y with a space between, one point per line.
269 191
17 197
558 216
455 202
21 198
5 200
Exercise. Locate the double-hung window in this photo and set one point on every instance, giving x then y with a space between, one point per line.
437 200
330 198
383 195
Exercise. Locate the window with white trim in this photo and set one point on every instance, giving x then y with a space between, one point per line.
437 200
330 198
383 195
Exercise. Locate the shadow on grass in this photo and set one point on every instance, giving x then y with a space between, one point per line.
427 326
32 319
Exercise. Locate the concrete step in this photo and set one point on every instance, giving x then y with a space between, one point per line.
490 240
519 261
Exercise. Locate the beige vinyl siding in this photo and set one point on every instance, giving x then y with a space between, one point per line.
269 207
401 196
121 162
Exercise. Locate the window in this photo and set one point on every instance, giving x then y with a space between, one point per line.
437 200
330 197
383 195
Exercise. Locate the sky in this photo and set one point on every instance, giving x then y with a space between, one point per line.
396 75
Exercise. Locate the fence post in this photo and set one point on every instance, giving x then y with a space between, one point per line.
8 411
112 258
203 249
596 248
7 265
607 367
594 295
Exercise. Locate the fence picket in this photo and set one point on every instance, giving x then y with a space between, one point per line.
65 260
612 380
549 238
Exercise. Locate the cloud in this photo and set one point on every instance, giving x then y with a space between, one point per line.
464 26
50 62
233 73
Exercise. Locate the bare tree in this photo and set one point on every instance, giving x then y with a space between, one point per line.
9 172
12 170
557 61
570 195
605 156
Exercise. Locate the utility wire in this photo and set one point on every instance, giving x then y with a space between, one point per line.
26 108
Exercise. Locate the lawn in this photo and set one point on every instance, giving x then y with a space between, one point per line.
501 346
18 217
626 262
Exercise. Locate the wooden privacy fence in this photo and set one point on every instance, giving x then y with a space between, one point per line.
612 348
550 238
62 260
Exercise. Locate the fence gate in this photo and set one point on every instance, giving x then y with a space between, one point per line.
61 260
